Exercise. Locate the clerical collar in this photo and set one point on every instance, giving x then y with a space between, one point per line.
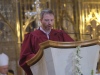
47 33
44 31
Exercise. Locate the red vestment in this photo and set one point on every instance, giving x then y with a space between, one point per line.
31 43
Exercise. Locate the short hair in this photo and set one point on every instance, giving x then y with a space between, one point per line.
46 11
11 71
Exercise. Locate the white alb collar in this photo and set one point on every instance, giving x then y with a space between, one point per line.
47 33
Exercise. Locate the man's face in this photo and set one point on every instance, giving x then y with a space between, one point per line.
4 69
47 21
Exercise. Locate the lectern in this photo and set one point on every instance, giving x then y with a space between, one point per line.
58 58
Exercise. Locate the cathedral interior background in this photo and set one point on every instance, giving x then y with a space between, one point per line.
79 18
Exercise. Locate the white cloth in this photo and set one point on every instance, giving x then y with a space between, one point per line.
3 59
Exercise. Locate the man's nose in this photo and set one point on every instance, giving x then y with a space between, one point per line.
49 22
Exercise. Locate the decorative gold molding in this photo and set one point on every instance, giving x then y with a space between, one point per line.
7 23
56 44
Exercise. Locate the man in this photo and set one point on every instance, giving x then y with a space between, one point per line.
4 61
45 32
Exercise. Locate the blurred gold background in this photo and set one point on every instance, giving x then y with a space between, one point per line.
79 18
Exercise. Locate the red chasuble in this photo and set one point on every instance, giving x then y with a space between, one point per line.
31 43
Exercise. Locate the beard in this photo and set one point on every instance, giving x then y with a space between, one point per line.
47 27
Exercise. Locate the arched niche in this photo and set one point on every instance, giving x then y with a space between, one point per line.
8 45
